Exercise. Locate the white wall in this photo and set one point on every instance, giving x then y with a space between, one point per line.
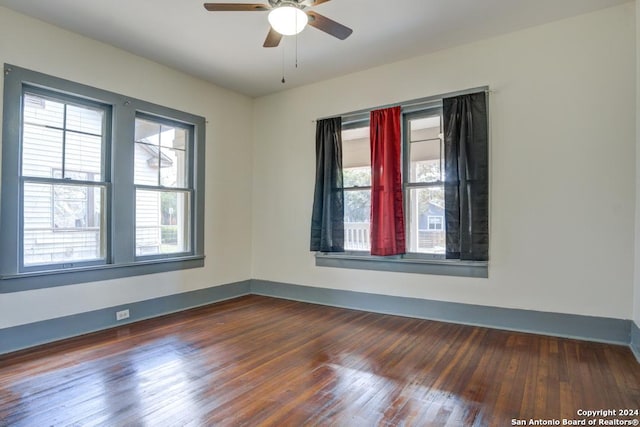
562 167
32 44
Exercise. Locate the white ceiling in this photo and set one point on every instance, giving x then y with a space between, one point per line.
225 48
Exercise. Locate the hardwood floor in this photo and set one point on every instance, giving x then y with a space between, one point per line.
263 361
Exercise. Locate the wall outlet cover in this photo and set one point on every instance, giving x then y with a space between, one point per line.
123 314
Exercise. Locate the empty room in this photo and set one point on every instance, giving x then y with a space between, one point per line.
320 212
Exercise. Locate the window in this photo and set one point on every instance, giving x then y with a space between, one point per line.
63 182
424 181
162 188
356 172
95 185
428 174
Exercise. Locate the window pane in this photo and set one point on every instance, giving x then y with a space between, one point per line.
356 164
41 151
146 164
356 157
173 170
357 177
63 223
425 127
425 145
84 119
147 132
356 150
425 161
426 220
162 222
180 139
42 111
160 147
357 218
169 135
44 137
83 154
147 152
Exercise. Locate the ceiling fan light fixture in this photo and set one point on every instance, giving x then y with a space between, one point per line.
288 20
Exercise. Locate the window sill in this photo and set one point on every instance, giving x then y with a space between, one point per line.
410 264
50 278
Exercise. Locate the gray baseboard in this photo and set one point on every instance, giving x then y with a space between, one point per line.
635 340
599 329
46 331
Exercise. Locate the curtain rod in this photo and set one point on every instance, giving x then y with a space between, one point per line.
410 103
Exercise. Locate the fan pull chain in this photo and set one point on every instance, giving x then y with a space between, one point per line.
282 48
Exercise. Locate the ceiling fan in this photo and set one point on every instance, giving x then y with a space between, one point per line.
287 17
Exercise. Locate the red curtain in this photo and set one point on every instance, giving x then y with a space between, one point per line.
387 217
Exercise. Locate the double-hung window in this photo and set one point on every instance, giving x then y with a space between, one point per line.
64 181
95 185
356 172
424 181
163 189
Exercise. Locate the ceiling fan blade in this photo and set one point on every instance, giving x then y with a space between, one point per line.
312 3
235 7
273 38
329 26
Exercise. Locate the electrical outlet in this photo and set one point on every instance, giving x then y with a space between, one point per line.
121 315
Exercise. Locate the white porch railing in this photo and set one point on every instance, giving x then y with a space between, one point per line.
356 236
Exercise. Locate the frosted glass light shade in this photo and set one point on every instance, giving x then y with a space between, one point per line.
288 20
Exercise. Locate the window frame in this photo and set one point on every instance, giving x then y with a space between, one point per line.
410 262
356 124
189 189
407 184
118 161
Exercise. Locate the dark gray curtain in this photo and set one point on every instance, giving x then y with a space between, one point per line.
327 220
466 196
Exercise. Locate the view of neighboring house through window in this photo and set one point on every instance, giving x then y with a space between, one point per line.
356 172
162 188
64 183
424 187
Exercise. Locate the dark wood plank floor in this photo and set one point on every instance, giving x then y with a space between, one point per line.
263 361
